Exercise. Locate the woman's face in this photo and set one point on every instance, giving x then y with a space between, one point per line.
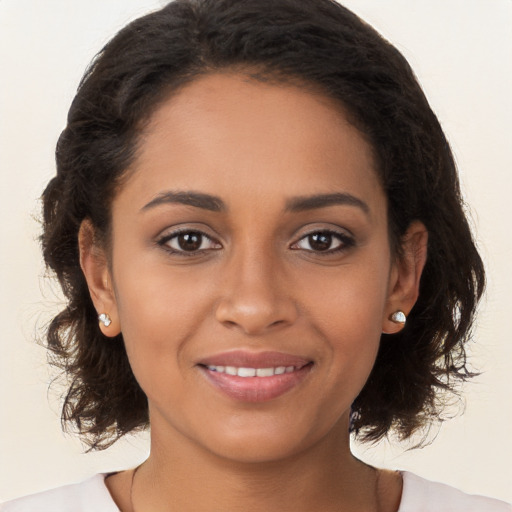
251 238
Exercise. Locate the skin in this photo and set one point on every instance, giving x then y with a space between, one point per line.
257 283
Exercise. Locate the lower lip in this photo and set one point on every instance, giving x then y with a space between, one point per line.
256 389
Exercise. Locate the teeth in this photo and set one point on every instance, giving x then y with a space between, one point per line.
246 372
252 372
265 372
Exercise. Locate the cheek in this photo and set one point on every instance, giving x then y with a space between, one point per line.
154 296
157 310
351 301
348 315
162 309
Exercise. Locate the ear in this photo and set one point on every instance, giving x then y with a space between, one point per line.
404 284
94 264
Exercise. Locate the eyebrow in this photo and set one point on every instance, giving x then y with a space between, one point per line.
300 204
189 198
295 204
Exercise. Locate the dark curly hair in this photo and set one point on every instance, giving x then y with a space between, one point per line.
316 43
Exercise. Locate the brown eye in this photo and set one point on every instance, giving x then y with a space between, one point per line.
188 242
327 242
320 241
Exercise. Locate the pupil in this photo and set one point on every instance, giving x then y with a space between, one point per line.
189 241
320 241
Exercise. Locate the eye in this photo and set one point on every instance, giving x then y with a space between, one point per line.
188 241
324 242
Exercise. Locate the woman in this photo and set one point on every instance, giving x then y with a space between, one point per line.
258 226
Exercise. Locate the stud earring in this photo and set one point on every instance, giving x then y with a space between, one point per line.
104 319
398 317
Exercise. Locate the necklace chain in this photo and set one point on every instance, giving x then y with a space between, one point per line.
132 508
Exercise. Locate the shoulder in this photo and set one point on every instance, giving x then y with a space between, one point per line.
89 496
420 495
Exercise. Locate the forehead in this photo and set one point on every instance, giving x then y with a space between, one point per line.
226 131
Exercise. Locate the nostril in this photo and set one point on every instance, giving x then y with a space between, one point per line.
255 313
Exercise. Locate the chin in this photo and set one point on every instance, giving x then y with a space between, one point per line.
261 451
261 443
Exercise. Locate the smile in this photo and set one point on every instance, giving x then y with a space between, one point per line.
252 372
246 376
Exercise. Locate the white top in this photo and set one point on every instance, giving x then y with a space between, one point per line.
418 495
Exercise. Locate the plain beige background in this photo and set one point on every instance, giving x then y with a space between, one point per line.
461 51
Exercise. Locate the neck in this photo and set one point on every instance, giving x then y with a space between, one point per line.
326 477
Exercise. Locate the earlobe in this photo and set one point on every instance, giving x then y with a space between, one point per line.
406 273
94 264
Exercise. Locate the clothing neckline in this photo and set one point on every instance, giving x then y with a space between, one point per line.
406 483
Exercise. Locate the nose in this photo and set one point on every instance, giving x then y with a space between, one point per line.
254 296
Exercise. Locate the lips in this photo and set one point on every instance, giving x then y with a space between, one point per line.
254 377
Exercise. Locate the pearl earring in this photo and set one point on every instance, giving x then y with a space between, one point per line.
398 317
104 319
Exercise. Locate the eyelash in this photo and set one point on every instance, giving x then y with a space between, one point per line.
164 240
346 242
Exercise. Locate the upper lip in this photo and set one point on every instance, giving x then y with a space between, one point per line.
247 359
